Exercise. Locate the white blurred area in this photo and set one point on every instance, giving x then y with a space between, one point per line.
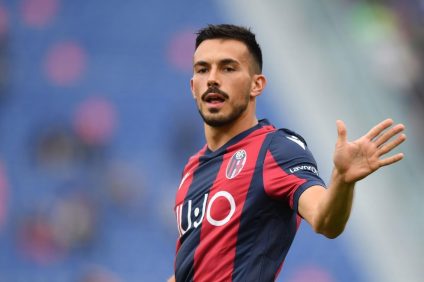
362 62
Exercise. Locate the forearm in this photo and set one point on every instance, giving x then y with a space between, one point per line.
334 207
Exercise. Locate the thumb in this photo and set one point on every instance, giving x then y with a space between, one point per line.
341 132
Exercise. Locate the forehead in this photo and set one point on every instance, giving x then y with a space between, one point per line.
218 49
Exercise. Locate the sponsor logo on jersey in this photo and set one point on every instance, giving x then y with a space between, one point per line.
194 216
236 164
303 167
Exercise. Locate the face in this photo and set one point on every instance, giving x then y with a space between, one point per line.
224 84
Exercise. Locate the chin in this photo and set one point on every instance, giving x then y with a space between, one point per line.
216 118
218 121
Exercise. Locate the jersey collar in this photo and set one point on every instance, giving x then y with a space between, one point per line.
209 154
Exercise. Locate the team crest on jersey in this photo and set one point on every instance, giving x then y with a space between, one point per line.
236 164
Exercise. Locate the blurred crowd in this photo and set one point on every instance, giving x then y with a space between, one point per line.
392 32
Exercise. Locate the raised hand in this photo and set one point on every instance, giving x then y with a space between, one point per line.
357 159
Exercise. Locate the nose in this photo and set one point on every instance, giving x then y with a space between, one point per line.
213 79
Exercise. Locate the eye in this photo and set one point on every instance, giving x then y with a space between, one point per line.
201 70
229 69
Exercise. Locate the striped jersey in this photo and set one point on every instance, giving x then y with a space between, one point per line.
236 207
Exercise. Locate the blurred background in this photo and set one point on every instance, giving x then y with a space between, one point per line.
97 121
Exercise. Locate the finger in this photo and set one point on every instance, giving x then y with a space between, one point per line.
391 160
341 132
376 130
389 134
390 146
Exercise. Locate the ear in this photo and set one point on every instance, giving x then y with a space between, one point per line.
258 84
191 88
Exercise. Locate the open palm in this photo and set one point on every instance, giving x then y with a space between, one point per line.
357 159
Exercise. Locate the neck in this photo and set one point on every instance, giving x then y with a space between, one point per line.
216 137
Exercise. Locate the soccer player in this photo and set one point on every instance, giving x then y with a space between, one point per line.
242 196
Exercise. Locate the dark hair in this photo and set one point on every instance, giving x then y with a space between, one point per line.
229 31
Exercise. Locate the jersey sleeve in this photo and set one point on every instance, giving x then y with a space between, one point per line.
289 168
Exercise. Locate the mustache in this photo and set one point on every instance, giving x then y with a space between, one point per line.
214 90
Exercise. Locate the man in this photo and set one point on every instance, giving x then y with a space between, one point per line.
242 196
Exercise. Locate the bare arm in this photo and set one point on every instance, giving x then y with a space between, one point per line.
328 210
171 279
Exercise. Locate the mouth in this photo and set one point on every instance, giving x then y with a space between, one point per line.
214 98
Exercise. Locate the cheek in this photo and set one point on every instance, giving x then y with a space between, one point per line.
196 87
241 88
240 82
197 93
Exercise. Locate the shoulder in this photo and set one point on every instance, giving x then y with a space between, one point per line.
194 160
286 144
289 139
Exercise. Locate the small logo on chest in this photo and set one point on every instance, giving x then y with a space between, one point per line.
236 164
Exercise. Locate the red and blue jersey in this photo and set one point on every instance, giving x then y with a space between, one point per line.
236 207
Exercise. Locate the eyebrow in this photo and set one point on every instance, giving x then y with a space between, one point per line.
200 64
221 62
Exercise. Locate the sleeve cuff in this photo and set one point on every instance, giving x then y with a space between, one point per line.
302 188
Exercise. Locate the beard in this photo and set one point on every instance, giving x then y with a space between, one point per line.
216 119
